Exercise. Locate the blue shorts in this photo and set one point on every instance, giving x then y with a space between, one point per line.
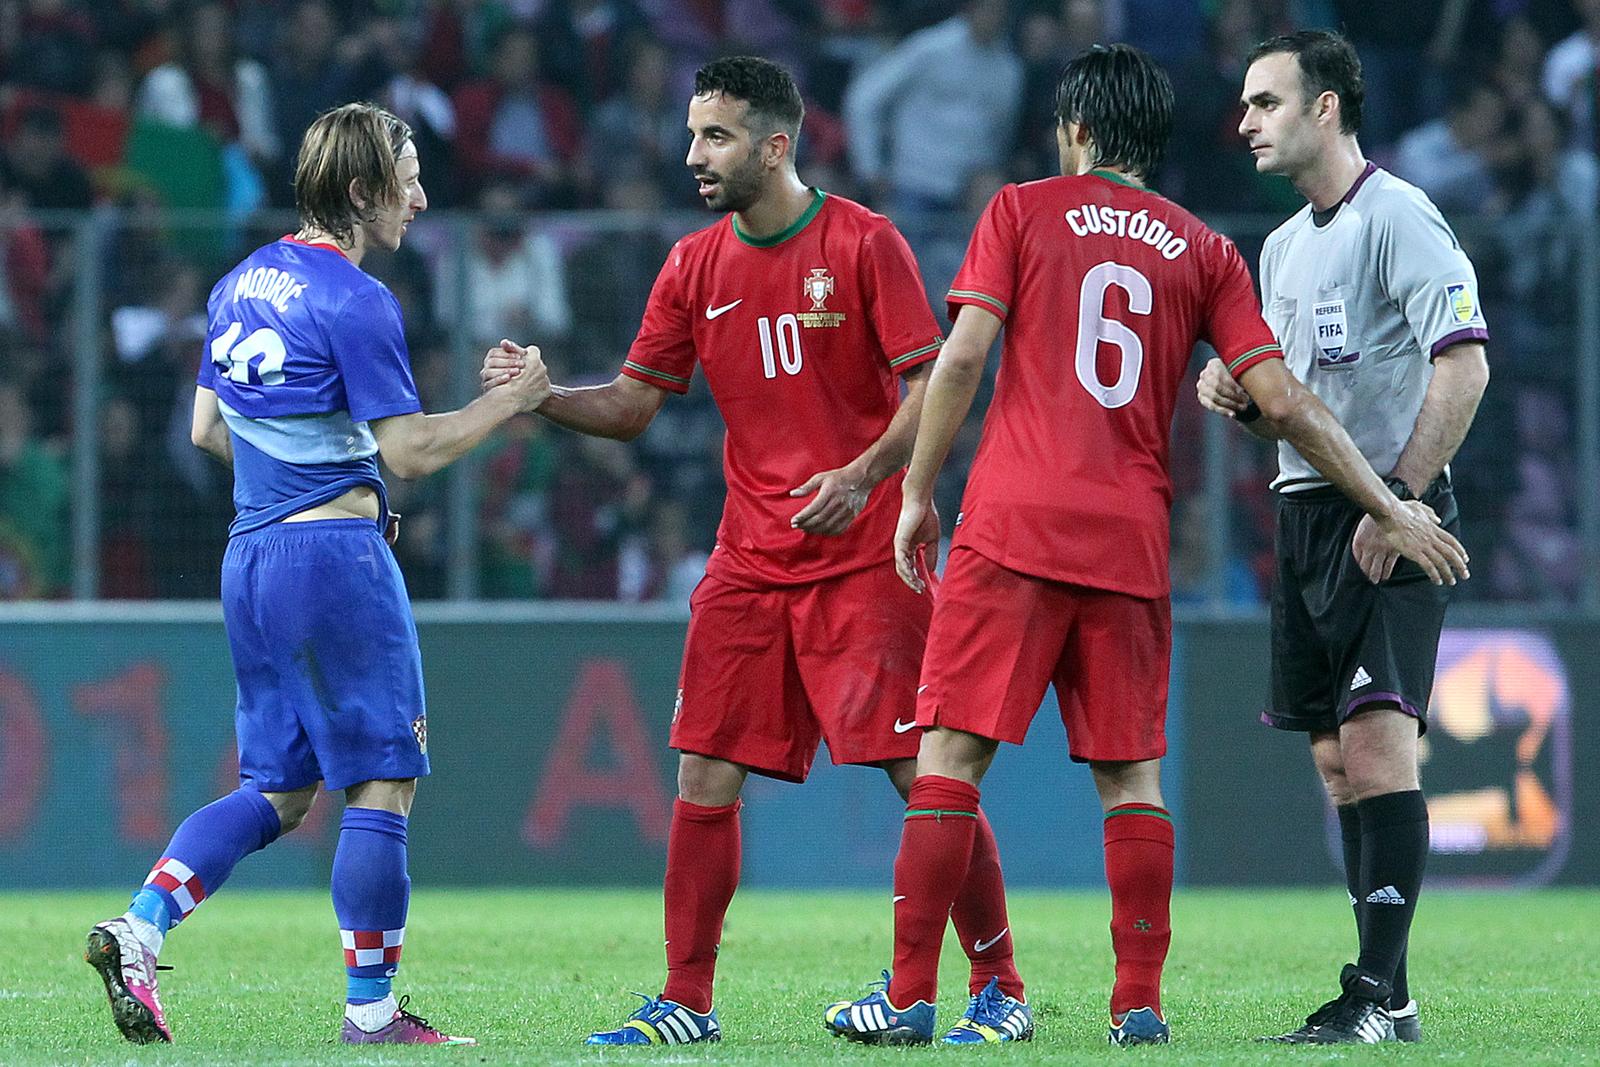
325 652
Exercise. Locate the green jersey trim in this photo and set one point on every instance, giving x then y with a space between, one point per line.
652 372
969 294
1113 176
914 353
817 197
1245 357
1156 812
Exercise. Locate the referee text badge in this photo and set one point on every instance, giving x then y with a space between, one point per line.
1329 321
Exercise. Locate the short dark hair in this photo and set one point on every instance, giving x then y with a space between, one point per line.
355 142
1328 64
770 91
1125 100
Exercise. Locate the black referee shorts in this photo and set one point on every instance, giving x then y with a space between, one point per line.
1340 643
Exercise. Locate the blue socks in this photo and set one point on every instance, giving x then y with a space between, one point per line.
370 893
201 855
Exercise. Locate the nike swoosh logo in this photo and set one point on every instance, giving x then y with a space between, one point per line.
920 688
985 946
902 727
898 899
712 312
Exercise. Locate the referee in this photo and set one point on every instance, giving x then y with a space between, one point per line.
1377 310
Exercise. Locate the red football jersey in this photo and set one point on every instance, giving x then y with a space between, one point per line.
801 336
1104 289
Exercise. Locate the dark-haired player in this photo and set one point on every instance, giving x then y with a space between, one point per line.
805 311
1058 570
304 382
1377 309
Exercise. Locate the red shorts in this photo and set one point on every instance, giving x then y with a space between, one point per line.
1000 637
769 672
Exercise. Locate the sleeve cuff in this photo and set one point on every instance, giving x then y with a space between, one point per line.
994 306
916 357
387 411
1471 333
1237 365
658 378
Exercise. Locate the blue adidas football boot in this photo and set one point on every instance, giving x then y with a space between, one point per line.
1140 1026
661 1022
872 1020
992 1017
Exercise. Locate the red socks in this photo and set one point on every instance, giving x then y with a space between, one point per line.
1138 840
935 848
980 917
702 873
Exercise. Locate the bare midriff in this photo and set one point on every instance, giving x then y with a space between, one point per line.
359 503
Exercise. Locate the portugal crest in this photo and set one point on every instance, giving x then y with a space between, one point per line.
818 285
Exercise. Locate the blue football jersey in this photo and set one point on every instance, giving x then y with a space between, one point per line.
303 349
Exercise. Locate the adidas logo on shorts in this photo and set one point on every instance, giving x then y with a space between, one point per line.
1362 678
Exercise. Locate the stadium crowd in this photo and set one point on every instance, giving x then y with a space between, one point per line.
559 125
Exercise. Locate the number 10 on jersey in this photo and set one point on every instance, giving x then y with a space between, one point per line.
787 337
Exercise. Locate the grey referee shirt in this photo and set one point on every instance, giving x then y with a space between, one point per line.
1361 305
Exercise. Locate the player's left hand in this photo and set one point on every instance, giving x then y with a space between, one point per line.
917 529
391 533
840 498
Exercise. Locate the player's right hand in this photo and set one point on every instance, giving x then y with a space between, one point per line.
918 528
1219 391
531 383
501 363
1414 532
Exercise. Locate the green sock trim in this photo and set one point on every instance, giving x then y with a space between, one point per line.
1157 812
938 813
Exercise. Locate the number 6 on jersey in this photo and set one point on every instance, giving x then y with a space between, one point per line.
1094 327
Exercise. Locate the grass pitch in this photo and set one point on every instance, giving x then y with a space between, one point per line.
258 978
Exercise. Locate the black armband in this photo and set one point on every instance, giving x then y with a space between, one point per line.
1249 414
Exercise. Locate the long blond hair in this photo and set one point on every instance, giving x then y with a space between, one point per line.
352 143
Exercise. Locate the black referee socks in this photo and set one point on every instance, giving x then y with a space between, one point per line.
1394 850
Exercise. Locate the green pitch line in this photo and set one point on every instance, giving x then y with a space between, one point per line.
258 978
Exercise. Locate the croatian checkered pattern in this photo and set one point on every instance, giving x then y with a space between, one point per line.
182 884
368 948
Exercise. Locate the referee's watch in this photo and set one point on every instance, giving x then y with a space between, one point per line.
1399 488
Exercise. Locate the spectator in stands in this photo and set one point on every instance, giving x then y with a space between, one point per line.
391 73
24 268
1550 186
211 87
611 272
513 126
1455 159
128 505
309 76
36 165
1570 79
515 284
516 545
52 37
590 44
643 124
1518 65
34 532
938 107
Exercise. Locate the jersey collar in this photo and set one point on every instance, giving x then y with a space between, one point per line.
1113 176
292 239
1361 179
817 197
